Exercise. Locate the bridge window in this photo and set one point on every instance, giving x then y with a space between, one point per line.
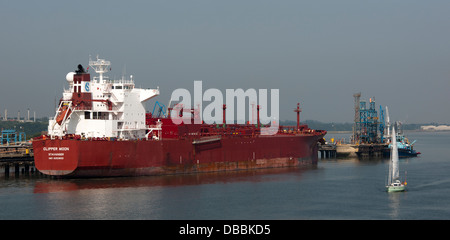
100 115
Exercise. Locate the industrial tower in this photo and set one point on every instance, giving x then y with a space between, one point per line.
366 121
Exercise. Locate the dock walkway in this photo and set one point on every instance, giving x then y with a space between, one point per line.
361 151
19 156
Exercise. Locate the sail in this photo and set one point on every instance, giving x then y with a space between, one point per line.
394 156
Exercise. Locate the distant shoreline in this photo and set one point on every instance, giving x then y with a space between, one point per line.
416 130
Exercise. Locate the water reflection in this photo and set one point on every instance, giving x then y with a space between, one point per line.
394 204
395 199
356 161
65 185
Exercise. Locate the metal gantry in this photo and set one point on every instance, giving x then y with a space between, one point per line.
11 136
367 123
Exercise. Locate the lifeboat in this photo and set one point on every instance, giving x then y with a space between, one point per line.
65 111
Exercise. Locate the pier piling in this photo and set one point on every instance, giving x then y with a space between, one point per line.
327 151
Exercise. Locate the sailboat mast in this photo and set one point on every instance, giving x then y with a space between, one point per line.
394 155
390 173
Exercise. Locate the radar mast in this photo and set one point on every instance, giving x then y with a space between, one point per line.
100 66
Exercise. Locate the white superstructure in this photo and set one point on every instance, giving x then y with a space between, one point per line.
100 107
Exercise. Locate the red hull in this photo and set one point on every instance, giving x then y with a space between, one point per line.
99 158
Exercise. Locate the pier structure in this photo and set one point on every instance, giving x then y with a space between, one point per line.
327 151
11 136
17 158
365 142
375 150
366 122
362 151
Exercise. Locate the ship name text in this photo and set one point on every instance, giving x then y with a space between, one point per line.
56 149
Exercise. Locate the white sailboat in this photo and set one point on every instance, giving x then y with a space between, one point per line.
394 183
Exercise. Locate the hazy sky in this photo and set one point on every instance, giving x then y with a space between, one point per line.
317 52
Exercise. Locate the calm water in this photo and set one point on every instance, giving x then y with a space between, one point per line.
334 189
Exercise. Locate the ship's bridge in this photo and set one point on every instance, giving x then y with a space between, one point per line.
104 107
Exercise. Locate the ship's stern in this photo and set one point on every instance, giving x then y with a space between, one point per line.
56 157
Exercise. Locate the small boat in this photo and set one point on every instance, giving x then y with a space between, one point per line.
394 183
396 186
404 146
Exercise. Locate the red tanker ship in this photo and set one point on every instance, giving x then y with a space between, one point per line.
101 129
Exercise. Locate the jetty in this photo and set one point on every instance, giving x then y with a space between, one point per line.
327 151
18 158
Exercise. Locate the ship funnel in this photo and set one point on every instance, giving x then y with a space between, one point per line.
80 69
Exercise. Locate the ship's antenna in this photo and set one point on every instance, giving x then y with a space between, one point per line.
100 66
124 71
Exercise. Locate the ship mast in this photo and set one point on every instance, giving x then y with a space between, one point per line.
298 111
100 66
